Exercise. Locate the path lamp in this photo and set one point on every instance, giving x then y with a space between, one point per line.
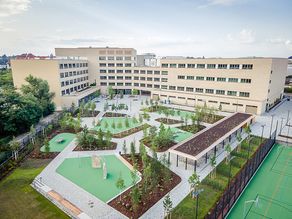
196 194
263 127
271 125
281 125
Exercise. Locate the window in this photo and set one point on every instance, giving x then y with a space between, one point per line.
120 77
180 88
102 58
200 65
172 65
142 71
119 58
102 77
102 71
181 77
61 66
171 87
210 79
181 65
212 101
222 66
224 103
128 58
234 66
164 80
149 72
233 80
164 87
120 65
189 89
61 75
142 78
221 79
66 74
128 71
211 66
128 78
164 65
142 85
111 71
120 84
111 77
136 84
111 58
244 94
136 71
156 86
149 85
191 65
149 79
220 92
136 78
190 77
200 78
164 72
156 79
128 64
128 84
112 84
120 71
245 80
209 91
199 90
157 72
102 64
111 64
247 66
231 93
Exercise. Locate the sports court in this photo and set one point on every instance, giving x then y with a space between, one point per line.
59 142
268 195
81 172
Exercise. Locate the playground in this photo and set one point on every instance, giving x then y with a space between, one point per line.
59 142
117 124
268 195
97 175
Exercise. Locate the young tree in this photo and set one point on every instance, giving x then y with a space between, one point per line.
127 124
135 92
90 140
145 133
213 165
110 92
135 198
167 204
124 147
194 181
152 131
92 107
120 124
100 137
105 124
113 125
228 151
140 118
32 133
108 138
47 145
133 151
14 146
239 138
120 184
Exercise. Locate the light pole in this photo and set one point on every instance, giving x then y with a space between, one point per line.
281 125
230 159
197 193
288 133
288 117
249 147
271 125
263 127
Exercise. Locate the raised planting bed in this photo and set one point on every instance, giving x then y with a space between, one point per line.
168 121
160 148
113 114
86 113
154 108
192 128
97 147
147 200
131 131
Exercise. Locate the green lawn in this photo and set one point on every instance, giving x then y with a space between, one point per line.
56 146
19 200
81 172
187 208
106 124
180 135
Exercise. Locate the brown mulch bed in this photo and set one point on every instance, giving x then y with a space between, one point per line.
191 128
205 139
125 206
97 148
168 121
147 142
130 131
112 114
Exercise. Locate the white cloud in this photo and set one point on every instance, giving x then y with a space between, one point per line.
12 7
281 41
245 36
218 3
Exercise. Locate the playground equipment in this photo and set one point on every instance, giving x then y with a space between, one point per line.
60 140
96 163
104 171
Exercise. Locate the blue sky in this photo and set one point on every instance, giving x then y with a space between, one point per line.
210 28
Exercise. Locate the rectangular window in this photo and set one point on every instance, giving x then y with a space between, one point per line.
119 58
199 90
234 66
156 79
120 71
244 94
164 80
189 89
220 92
157 72
200 65
128 65
191 65
149 79
128 78
209 91
142 72
233 80
231 93
120 77
210 79
61 66
156 86
149 72
111 77
171 87
120 64
190 77
142 85
128 71
149 85
112 84
111 71
247 66
102 64
136 84
164 72
164 87
102 58
128 84
245 80
111 58
181 65
142 78
180 77
136 71
136 78
221 79
172 65
164 65
120 84
61 75
128 58
111 64
222 66
181 88
102 77
200 78
103 84
211 66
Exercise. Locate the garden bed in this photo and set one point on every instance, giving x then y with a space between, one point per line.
168 121
112 146
86 113
147 201
192 128
131 131
113 114
147 142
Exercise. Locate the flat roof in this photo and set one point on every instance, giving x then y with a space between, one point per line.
206 139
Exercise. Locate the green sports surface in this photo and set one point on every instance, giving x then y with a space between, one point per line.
81 172
271 186
56 146
180 135
116 120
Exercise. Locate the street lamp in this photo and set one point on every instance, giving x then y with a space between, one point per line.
197 193
263 127
271 125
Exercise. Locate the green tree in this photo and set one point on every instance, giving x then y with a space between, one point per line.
120 184
124 147
40 89
108 138
167 204
228 151
110 92
14 147
135 198
213 165
133 151
194 181
92 107
47 145
135 92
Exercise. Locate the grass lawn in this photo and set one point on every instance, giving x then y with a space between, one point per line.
19 200
81 172
180 134
106 124
187 208
56 146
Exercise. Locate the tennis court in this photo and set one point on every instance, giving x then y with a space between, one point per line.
268 195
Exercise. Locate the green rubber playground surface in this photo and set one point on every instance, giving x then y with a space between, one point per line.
81 172
180 135
271 186
106 124
56 146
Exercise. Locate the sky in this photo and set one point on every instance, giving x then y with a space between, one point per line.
210 28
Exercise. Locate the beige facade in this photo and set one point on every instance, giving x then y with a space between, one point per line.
67 78
250 85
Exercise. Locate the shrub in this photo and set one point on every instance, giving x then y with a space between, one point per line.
214 184
223 170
